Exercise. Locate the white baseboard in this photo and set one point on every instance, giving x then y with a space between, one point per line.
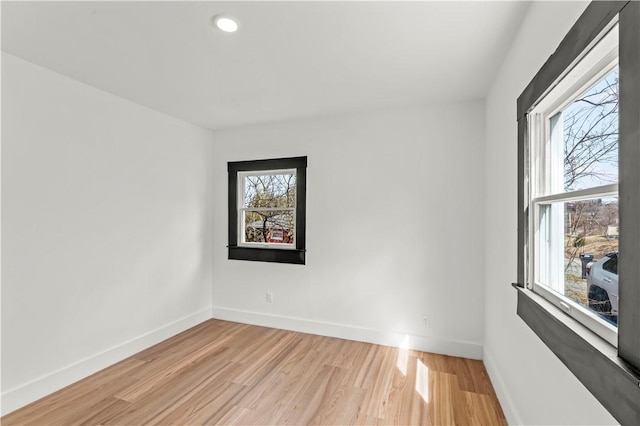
499 386
396 339
24 394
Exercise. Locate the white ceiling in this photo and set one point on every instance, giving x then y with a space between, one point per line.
289 59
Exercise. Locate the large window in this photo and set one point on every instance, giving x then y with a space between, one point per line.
579 204
267 210
573 141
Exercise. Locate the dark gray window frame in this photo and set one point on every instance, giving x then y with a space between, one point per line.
612 376
295 256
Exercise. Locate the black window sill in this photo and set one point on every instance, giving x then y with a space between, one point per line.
294 256
590 358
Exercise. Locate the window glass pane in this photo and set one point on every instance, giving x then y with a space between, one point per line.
589 129
278 190
582 265
269 226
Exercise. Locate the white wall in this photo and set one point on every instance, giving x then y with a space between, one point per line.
533 385
394 229
106 229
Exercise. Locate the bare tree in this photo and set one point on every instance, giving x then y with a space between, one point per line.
591 134
587 219
590 158
266 195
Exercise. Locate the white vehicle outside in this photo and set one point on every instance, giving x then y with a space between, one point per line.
602 283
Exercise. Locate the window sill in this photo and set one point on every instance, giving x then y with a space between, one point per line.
265 254
590 358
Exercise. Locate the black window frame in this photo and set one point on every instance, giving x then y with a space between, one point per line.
267 254
611 375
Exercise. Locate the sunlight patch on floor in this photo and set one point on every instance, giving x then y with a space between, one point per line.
403 356
422 381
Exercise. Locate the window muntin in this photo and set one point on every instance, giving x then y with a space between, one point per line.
574 183
267 210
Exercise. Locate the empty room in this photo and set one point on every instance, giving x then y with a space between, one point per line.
320 212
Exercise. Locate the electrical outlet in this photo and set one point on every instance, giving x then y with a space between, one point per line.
426 320
269 297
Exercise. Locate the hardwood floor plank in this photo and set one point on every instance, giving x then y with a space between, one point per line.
379 381
228 373
404 406
234 416
256 337
271 398
78 397
175 343
369 367
481 410
101 413
161 376
159 402
442 387
207 407
262 364
342 403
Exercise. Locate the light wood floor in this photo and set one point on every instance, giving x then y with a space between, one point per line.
227 373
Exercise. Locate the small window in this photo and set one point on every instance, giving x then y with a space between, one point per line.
267 210
574 185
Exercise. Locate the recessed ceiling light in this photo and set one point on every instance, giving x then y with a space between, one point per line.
226 23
